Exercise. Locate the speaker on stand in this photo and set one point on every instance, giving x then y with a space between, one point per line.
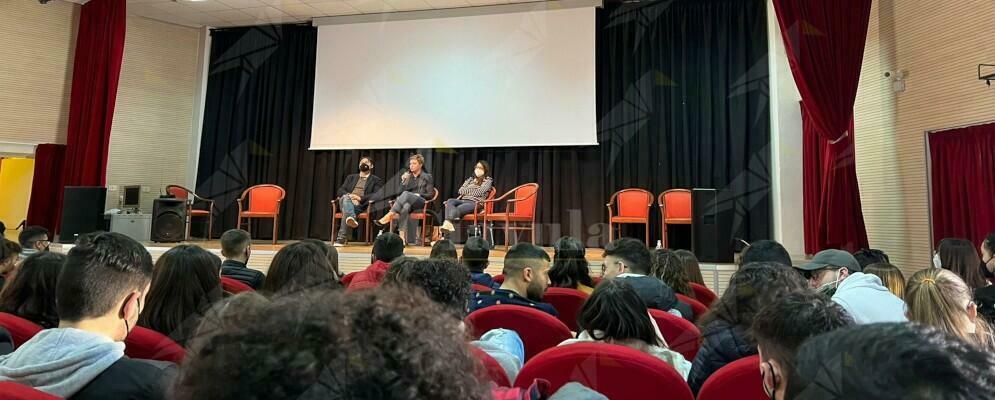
169 220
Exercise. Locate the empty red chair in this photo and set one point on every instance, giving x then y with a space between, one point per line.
519 212
740 380
538 330
567 303
16 391
681 335
703 294
675 209
147 344
480 288
618 372
234 286
21 330
629 206
264 202
183 193
492 369
696 307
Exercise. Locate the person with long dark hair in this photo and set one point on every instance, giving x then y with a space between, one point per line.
9 253
570 268
960 257
298 267
186 281
474 189
691 266
31 291
668 268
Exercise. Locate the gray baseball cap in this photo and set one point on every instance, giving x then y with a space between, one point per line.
832 258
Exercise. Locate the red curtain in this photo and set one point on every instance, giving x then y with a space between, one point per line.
962 164
45 206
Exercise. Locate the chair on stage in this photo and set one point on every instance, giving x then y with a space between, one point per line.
422 216
192 199
520 209
633 207
264 203
479 209
675 209
363 216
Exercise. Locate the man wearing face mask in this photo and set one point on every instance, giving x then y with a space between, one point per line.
838 274
355 195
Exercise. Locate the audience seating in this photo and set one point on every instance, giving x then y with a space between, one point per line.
480 288
675 209
148 344
234 286
494 372
539 331
498 278
183 193
696 307
264 203
16 391
739 380
617 372
682 336
21 330
633 208
567 303
703 294
363 216
422 216
520 209
478 212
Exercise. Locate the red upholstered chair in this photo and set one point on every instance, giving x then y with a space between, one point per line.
567 303
618 372
147 344
739 380
234 286
492 369
480 288
703 294
183 193
519 211
347 278
538 330
421 216
264 202
16 391
675 209
498 278
629 206
21 330
479 209
682 336
696 307
363 216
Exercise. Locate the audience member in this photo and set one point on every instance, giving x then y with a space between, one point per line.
185 283
298 267
236 246
891 277
475 255
765 251
330 253
99 296
444 281
444 249
837 274
386 247
33 239
667 267
866 257
398 267
988 255
526 269
31 291
10 251
616 314
724 327
940 298
960 257
629 259
570 268
890 361
780 328
691 268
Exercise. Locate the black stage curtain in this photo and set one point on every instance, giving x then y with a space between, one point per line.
682 103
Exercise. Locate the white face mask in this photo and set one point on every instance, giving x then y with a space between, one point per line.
478 172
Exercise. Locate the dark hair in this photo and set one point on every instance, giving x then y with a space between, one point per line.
989 242
387 247
521 256
367 158
98 273
616 312
960 256
330 253
890 361
667 267
867 257
298 267
185 283
487 171
444 281
750 288
397 267
633 252
369 344
234 242
475 253
9 249
780 327
31 292
570 267
691 267
444 249
765 251
31 234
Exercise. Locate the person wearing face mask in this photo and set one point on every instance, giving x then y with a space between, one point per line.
838 274
474 189
355 195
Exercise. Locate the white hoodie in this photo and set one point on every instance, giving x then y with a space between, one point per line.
60 361
868 301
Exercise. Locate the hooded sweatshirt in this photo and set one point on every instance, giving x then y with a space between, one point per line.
60 361
868 301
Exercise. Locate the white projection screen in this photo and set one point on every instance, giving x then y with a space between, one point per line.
508 79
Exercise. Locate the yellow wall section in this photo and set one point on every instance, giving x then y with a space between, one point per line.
15 184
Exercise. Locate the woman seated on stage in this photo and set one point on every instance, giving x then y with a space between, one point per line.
474 189
416 188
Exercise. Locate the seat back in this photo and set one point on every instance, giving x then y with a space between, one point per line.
492 370
147 344
178 192
476 287
703 294
539 331
681 335
265 198
234 286
499 279
676 204
16 391
617 372
567 303
21 330
696 307
489 207
529 193
739 379
633 203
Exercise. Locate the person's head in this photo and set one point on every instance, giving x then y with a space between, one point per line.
398 267
444 281
626 255
765 251
481 170
940 298
867 257
891 277
615 312
329 251
960 256
34 237
186 281
890 361
751 287
526 270
31 292
298 267
387 247
828 268
691 268
444 249
9 250
779 328
372 344
570 266
365 164
988 252
667 267
103 285
236 244
415 163
475 254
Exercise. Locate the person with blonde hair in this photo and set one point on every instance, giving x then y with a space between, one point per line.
940 298
891 277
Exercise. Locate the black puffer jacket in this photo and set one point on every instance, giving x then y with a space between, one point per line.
238 271
723 344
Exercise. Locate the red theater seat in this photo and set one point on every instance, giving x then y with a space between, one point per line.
703 294
567 303
147 344
740 380
234 286
499 279
696 307
682 336
538 330
492 368
16 391
21 330
480 288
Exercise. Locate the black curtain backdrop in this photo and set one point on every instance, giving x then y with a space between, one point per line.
682 102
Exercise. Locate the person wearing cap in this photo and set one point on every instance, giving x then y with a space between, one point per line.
838 274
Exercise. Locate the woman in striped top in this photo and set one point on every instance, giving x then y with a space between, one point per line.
474 189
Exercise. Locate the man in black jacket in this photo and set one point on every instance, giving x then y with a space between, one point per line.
355 195
236 246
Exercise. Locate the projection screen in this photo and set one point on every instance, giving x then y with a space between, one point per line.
506 79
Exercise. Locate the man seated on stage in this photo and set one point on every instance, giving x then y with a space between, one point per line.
386 248
475 254
355 195
629 259
416 188
235 247
526 277
33 239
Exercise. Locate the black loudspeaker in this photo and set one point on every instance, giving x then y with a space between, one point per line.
82 211
169 218
711 229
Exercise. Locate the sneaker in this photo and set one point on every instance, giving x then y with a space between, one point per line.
447 226
351 221
339 243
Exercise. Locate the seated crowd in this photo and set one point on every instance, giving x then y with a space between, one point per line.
840 325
